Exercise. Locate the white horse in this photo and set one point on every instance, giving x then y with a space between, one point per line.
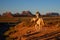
38 23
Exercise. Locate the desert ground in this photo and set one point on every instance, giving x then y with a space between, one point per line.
25 30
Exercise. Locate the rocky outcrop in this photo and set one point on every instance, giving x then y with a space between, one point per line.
7 14
26 31
26 13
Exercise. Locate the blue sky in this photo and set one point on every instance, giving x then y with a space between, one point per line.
43 6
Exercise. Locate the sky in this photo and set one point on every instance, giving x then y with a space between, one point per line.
43 6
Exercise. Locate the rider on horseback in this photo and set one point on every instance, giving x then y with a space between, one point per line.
38 22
